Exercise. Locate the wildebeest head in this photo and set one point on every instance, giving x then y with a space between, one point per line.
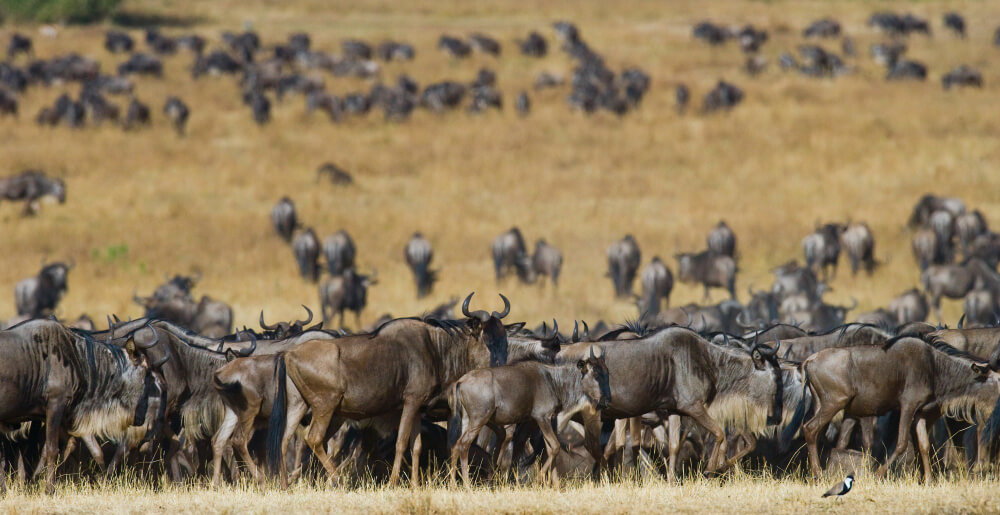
489 327
284 329
56 274
596 384
765 357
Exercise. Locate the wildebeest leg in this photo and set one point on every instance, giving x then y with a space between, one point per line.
592 440
672 425
867 433
551 448
316 435
220 442
406 428
717 458
296 411
906 413
846 430
30 207
416 446
50 451
94 449
924 445
70 447
811 429
750 442
470 432
635 435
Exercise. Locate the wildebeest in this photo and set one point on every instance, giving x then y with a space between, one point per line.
822 249
283 218
509 253
534 45
859 244
177 111
339 252
29 186
395 51
522 104
711 33
708 269
141 64
521 392
282 330
8 103
485 44
624 258
962 76
136 115
955 22
118 42
955 281
454 47
981 308
968 227
546 261
929 203
173 302
657 282
681 97
305 247
395 371
823 28
38 296
818 316
909 306
792 279
419 254
923 381
261 108
929 249
335 174
722 240
723 96
347 291
19 44
905 69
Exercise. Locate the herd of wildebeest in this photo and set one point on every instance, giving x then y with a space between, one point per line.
182 393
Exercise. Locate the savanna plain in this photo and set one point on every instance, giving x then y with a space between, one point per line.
796 151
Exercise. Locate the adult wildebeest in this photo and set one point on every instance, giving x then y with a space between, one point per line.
509 253
962 76
485 44
534 45
137 115
909 306
339 252
929 250
19 44
791 279
823 28
955 281
722 240
397 370
708 269
29 186
76 385
419 254
723 96
624 257
177 111
284 219
762 310
955 22
818 316
681 97
968 227
822 249
522 392
8 103
305 247
981 309
657 282
928 204
282 330
546 261
38 296
522 104
118 42
347 291
859 244
923 381
454 47
173 302
335 174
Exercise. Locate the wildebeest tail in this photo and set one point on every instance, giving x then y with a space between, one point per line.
455 424
992 424
279 412
799 416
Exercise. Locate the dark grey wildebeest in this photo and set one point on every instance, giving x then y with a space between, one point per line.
910 306
305 247
339 252
822 250
510 253
968 227
419 254
657 282
981 309
624 257
708 269
923 381
792 279
177 112
928 204
29 186
546 261
955 281
347 291
722 240
929 249
283 218
859 245
38 296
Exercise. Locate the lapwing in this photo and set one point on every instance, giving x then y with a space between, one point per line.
841 488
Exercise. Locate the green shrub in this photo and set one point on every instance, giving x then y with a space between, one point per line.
49 11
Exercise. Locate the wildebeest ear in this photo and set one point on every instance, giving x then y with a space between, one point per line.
581 364
515 327
758 359
981 368
230 355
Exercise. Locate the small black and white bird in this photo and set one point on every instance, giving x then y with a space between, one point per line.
841 488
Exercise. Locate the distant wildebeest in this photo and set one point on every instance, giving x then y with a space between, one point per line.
38 296
792 279
981 308
335 174
904 69
708 269
711 33
284 219
406 364
454 47
624 257
968 227
345 292
957 280
523 104
929 250
136 115
534 45
174 303
823 28
509 253
305 247
681 97
339 252
29 186
955 22
817 317
928 204
762 310
395 51
485 44
282 330
521 392
419 254
546 261
859 244
923 381
910 306
141 64
962 76
657 282
723 96
118 42
177 112
722 240
986 246
261 108
19 44
8 103
822 249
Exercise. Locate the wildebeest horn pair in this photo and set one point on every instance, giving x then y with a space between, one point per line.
482 315
576 331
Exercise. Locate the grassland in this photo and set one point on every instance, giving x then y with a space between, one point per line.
145 204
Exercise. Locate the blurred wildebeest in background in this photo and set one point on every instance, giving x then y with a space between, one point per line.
284 219
419 254
546 261
910 306
657 282
624 257
29 186
859 244
722 240
305 247
38 296
339 252
345 292
822 249
509 253
335 174
708 269
177 112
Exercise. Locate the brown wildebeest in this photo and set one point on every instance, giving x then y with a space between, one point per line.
859 244
509 253
922 381
38 296
928 204
981 308
624 257
527 391
339 252
29 186
793 279
955 281
929 250
822 249
798 349
400 368
345 292
910 306
968 227
708 269
419 254
305 247
177 111
722 240
282 330
980 342
284 219
546 261
657 282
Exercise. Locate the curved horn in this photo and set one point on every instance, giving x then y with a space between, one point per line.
592 352
767 351
249 350
586 330
854 304
555 329
576 332
742 324
306 321
688 315
465 305
151 345
220 347
961 321
506 308
166 355
265 326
